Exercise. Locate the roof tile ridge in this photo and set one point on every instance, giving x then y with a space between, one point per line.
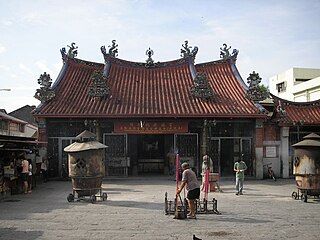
214 62
78 61
297 104
170 63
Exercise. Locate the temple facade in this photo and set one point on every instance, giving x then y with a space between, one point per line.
143 111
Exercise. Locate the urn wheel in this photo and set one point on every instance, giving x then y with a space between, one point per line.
295 195
304 197
93 198
104 196
70 197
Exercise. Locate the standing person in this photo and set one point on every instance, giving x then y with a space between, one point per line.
30 176
25 173
171 161
239 167
189 179
44 169
207 163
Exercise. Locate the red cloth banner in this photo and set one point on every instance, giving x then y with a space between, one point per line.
177 169
206 184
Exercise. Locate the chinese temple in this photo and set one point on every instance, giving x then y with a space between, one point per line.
144 110
289 122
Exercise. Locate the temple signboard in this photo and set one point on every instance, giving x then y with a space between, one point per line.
143 127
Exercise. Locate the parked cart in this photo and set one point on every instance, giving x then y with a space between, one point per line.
86 159
306 167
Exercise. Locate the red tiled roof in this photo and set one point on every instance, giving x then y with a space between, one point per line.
139 91
301 113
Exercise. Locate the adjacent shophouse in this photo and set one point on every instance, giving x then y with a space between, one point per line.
17 137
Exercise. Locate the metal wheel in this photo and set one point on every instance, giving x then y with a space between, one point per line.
104 196
70 197
294 195
93 198
304 197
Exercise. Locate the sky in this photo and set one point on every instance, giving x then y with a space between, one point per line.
271 36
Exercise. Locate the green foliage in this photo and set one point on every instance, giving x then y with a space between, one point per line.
265 90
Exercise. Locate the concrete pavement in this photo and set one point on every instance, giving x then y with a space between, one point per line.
135 210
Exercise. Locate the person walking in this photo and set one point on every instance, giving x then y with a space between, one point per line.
25 173
189 179
239 167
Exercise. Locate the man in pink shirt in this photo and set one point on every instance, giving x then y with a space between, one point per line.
25 173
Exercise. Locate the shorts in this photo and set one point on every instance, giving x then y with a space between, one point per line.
25 176
193 194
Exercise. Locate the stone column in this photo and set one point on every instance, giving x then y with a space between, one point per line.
259 148
284 152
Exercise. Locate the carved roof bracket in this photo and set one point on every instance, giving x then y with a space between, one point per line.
45 92
201 87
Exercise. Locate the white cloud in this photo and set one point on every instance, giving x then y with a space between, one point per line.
6 22
25 68
43 66
34 17
2 48
4 67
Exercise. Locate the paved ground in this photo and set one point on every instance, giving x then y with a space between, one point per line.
135 210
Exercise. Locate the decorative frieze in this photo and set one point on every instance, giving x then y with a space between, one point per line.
99 87
254 91
201 87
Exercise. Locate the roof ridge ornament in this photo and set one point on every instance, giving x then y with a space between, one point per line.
113 50
279 108
72 52
254 91
150 62
45 92
201 87
186 50
99 87
225 54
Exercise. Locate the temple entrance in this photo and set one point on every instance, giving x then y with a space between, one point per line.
226 151
227 157
151 153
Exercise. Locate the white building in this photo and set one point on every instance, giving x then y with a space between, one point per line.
296 84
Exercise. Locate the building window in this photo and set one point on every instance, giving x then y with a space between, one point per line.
281 87
4 125
21 127
300 80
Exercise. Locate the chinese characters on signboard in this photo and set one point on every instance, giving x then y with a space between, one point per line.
143 127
